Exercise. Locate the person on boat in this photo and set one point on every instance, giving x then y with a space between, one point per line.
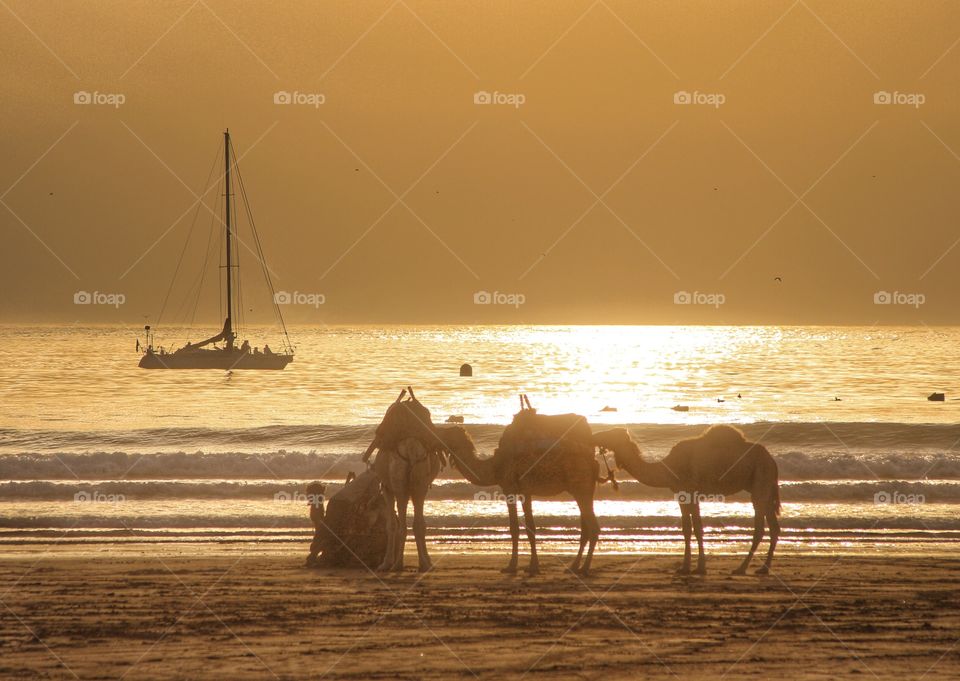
267 350
245 347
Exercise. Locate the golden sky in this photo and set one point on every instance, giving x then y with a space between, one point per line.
633 152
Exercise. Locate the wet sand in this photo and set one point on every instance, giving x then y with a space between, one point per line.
248 611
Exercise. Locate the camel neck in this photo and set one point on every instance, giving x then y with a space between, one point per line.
650 473
476 470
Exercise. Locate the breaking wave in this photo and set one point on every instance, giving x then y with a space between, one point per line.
860 491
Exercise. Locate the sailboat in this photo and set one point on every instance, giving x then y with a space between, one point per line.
221 351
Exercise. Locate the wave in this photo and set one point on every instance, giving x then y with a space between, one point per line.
175 465
293 465
853 492
802 436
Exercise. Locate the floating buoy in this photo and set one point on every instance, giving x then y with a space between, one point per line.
937 397
454 419
466 370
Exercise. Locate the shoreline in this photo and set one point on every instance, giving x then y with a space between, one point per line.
165 612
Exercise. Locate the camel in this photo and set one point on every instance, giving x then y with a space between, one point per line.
718 462
407 463
537 456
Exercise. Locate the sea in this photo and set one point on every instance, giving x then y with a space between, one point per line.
94 450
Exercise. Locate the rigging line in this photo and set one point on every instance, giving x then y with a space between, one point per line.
264 268
263 261
186 243
197 283
203 270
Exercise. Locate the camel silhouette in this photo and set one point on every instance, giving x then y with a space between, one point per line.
538 455
408 461
718 462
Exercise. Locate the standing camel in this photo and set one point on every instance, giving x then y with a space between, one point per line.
537 456
720 461
407 464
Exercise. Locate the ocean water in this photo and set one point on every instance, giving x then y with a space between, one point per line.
92 447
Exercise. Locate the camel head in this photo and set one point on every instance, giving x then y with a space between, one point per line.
462 452
618 441
456 442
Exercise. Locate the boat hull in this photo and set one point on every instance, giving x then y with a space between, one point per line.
224 360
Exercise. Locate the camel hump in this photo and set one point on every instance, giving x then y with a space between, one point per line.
723 435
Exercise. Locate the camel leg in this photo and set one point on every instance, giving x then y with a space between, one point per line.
590 532
514 534
774 524
401 542
389 555
757 536
420 533
596 538
534 567
685 524
698 531
575 565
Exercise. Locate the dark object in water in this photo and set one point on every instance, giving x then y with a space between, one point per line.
356 525
609 408
466 369
681 407
455 419
937 397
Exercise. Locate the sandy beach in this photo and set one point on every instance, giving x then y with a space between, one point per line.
248 611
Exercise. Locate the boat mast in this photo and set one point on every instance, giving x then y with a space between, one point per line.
228 326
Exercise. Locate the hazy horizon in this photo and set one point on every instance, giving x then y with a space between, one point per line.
590 188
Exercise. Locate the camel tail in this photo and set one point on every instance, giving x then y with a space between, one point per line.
776 488
769 474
